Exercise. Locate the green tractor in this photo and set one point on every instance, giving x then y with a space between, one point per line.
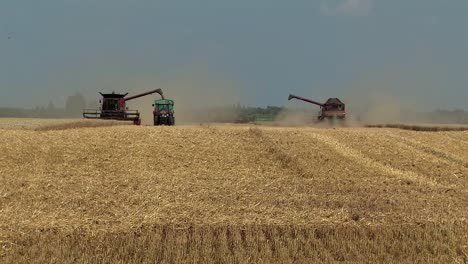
163 112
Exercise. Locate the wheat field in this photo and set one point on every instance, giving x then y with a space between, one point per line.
54 124
232 194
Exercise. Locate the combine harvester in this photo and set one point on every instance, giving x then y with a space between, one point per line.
113 107
333 108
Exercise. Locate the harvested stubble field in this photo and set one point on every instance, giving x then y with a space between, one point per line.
245 194
423 127
54 124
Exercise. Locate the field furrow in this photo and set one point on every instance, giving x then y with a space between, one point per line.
412 159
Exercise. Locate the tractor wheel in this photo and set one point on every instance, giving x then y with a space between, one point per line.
171 121
156 120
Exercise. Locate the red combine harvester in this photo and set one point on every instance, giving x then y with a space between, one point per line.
332 108
113 107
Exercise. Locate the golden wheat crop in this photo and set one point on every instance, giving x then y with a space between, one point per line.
54 124
245 194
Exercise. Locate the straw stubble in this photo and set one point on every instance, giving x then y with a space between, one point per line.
231 194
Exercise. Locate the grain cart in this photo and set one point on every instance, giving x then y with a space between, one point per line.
113 107
332 108
163 112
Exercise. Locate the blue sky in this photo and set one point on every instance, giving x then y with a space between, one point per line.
414 50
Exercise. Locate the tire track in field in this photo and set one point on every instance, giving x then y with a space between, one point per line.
460 140
372 164
418 145
286 160
459 137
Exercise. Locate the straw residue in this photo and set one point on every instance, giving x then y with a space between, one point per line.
223 194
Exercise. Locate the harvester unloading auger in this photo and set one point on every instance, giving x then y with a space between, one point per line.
332 108
113 107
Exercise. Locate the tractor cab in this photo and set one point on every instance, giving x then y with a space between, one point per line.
112 106
334 104
333 108
113 102
163 112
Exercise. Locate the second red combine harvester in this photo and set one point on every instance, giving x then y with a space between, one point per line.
113 107
332 108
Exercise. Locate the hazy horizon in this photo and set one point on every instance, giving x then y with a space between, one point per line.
252 52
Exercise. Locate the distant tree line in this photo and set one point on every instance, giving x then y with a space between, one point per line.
457 116
73 108
250 114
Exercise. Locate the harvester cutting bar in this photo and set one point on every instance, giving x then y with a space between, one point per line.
91 113
291 96
129 115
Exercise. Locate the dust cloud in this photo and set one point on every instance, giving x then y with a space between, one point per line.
398 94
375 107
292 115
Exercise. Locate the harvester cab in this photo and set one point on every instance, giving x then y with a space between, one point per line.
163 112
332 108
113 106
